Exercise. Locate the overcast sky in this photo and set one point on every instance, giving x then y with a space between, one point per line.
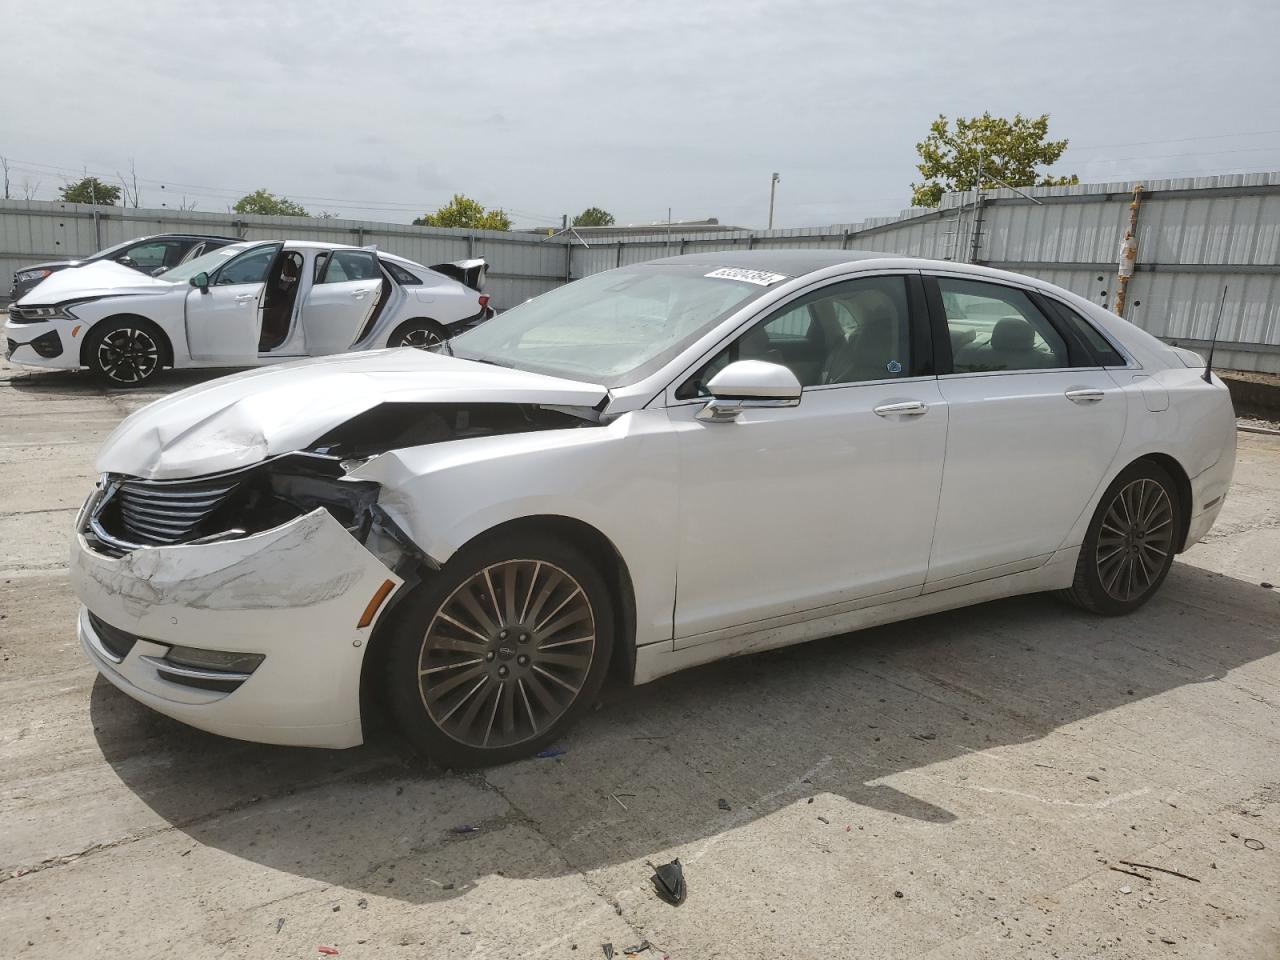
383 110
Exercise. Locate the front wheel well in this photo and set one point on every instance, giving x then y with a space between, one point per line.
598 548
1182 486
166 348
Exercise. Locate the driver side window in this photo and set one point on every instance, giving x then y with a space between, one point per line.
250 267
851 332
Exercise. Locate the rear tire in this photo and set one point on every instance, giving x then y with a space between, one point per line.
126 352
419 332
1129 546
495 657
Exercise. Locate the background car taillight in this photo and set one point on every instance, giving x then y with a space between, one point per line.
484 300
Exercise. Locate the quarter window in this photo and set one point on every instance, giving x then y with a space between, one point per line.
993 327
403 276
850 332
1106 354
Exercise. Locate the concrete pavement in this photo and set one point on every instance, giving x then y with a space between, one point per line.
957 786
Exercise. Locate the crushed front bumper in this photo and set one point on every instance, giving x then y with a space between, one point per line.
294 594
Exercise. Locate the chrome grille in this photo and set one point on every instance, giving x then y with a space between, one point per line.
155 512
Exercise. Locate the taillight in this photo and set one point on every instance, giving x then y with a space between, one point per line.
484 300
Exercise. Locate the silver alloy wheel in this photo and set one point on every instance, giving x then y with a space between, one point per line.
421 337
506 653
1135 540
128 355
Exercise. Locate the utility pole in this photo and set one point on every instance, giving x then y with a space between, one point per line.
977 213
773 189
1128 253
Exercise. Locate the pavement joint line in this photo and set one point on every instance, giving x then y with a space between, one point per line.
10 873
482 779
25 513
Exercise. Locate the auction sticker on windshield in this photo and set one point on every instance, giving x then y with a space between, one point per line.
760 277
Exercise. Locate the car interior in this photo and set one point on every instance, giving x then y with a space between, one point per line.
858 332
278 299
998 328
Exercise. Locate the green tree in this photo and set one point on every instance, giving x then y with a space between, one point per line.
462 211
268 204
91 190
1008 150
593 217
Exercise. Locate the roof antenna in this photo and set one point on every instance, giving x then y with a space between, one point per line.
1208 364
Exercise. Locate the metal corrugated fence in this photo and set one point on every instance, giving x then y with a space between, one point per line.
1194 236
521 265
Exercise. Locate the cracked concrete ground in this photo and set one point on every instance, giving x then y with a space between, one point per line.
990 766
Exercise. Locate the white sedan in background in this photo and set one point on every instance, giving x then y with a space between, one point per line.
649 468
246 304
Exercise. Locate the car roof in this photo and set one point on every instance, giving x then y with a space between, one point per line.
793 263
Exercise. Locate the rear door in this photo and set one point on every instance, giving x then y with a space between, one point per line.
1035 422
224 320
345 292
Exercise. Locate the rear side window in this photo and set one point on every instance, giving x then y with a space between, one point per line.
345 265
993 327
1099 346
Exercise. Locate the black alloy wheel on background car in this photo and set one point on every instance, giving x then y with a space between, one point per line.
494 657
126 352
420 332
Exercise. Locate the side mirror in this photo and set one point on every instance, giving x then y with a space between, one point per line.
156 271
126 261
200 281
749 385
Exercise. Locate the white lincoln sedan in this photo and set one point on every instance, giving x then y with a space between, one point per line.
245 304
647 469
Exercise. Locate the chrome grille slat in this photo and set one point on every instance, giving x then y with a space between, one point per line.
156 513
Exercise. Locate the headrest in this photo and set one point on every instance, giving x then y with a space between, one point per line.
1013 333
872 306
289 269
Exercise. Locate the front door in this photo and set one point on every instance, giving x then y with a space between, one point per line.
344 295
224 320
788 511
1035 424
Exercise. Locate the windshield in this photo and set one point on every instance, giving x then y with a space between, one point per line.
612 328
206 263
106 252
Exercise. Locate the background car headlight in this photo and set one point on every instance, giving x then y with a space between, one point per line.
24 276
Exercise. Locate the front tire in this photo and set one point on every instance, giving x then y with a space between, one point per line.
496 656
420 332
1129 546
127 352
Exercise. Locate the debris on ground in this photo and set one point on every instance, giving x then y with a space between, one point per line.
723 804
641 947
608 950
1132 873
465 828
1147 866
1093 778
668 882
328 951
1126 889
550 752
825 820
615 796
363 903
1253 844
1267 586
898 894
279 924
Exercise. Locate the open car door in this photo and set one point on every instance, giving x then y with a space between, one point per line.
341 300
224 319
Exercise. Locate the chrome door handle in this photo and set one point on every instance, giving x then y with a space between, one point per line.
358 295
244 297
908 408
1085 395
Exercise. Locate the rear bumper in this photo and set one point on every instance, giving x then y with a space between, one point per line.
294 594
467 323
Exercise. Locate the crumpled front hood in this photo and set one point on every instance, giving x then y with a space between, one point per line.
242 419
101 279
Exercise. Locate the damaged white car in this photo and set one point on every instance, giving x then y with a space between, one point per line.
246 304
643 470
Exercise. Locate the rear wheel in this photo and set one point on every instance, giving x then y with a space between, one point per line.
127 352
496 656
420 332
1129 546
